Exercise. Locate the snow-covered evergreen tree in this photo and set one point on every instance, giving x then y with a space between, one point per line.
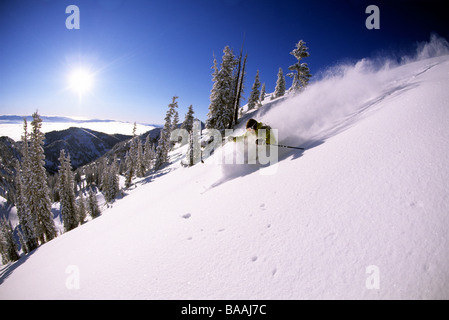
214 106
78 181
26 220
26 165
134 129
188 121
22 241
82 210
100 167
262 93
114 181
66 184
130 166
8 246
175 121
148 153
131 159
222 98
92 204
163 146
140 162
279 91
110 187
301 72
38 193
161 149
255 93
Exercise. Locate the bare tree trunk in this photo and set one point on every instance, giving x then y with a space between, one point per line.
239 92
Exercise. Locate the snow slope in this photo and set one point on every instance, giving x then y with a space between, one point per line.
361 214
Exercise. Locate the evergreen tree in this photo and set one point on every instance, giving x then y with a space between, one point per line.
26 164
221 108
175 121
78 180
140 163
66 183
100 168
26 220
161 149
163 146
8 246
188 122
114 184
134 129
255 93
82 211
92 205
262 93
52 181
129 165
22 241
279 91
38 192
301 72
149 153
131 159
106 184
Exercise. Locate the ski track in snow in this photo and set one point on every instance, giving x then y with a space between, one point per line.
371 190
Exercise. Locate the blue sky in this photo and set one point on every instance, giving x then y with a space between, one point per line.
142 52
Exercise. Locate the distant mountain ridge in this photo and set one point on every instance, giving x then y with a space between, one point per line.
17 118
83 146
12 125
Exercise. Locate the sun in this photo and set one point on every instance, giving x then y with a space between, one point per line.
81 80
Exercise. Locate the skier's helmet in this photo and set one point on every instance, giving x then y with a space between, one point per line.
251 124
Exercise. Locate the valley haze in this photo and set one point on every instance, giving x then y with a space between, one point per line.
12 125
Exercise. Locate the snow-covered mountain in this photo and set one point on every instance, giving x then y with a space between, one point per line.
362 213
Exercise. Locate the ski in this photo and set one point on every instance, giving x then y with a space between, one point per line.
290 147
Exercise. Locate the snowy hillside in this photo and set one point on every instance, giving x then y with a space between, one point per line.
362 213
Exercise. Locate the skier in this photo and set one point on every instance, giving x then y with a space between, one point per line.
252 129
255 142
256 146
252 135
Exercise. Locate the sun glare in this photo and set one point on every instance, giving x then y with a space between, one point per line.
80 80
